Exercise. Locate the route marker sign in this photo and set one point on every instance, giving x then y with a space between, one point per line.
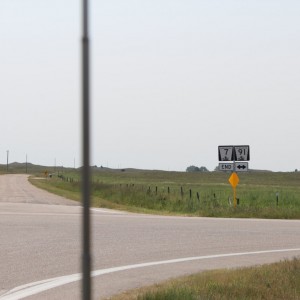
226 153
233 153
226 167
242 153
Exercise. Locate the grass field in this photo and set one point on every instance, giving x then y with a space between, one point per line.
260 194
275 281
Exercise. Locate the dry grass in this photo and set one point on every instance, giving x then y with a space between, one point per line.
276 281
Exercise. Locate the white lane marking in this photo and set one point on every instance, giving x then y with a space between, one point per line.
106 212
78 213
38 214
109 211
33 288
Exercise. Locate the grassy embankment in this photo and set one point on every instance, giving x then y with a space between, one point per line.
276 281
195 194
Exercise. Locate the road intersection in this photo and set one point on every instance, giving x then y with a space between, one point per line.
40 245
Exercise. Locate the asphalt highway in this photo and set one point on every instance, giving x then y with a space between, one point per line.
40 245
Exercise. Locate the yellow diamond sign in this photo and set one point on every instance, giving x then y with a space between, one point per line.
234 179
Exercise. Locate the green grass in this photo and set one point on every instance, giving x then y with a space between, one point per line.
275 281
194 194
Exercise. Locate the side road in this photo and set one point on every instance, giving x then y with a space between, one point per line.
15 189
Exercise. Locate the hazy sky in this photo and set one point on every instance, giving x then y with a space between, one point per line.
171 80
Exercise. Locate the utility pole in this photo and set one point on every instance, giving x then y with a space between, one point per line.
26 163
7 154
86 257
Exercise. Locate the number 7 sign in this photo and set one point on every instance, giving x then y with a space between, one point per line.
226 153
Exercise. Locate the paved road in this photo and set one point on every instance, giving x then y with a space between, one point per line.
40 240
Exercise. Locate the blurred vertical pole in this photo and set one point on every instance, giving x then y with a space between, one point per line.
7 154
86 257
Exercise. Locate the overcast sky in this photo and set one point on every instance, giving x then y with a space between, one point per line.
171 80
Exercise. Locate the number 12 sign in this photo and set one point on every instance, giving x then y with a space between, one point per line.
234 153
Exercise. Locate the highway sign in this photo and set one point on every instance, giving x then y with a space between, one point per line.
226 153
234 180
241 166
226 166
241 153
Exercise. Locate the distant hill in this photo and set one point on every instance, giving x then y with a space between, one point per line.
29 168
17 167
